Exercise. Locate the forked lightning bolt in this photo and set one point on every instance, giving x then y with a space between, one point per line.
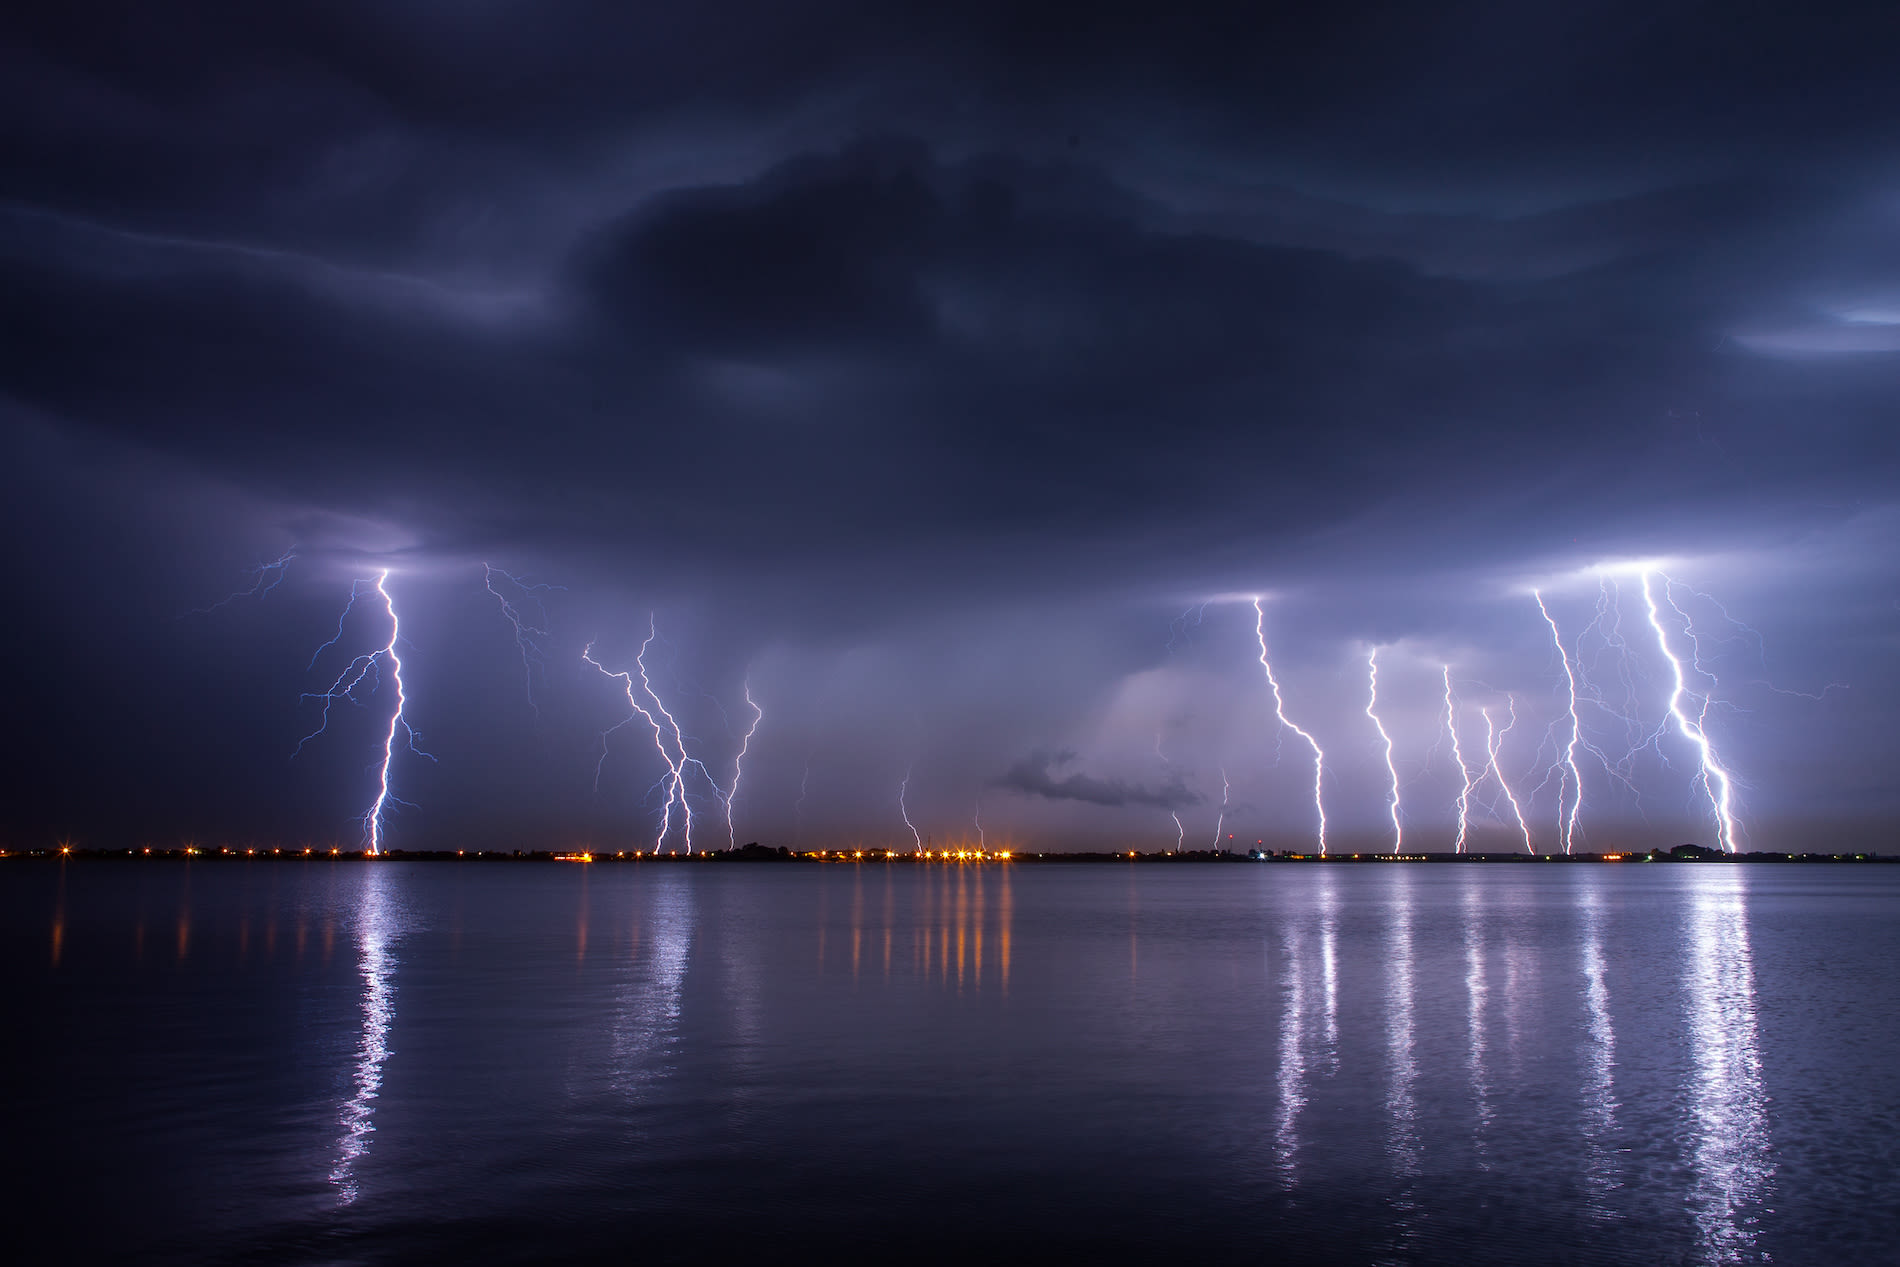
1570 776
1180 832
738 762
1493 744
1279 711
903 807
798 806
344 687
525 633
676 759
1464 771
356 588
1226 790
1179 627
1607 625
396 722
264 579
1372 711
1716 782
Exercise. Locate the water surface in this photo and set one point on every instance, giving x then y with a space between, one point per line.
396 1062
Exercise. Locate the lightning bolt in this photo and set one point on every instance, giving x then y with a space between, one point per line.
1747 634
1220 824
1715 781
1178 628
982 841
1493 744
344 687
356 587
1279 711
1458 755
1570 777
374 818
525 633
738 762
903 808
676 760
798 806
1180 832
1607 625
264 578
1372 711
626 681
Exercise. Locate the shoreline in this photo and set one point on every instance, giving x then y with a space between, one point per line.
759 855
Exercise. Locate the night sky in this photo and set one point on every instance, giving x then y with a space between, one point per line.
925 369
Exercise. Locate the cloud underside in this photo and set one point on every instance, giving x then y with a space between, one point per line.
1038 774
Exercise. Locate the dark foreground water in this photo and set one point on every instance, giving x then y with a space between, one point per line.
347 1062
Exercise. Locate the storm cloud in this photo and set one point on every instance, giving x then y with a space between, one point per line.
919 369
1035 775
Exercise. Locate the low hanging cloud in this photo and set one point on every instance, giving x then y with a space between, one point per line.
1035 775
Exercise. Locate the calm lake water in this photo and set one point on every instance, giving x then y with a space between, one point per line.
403 1062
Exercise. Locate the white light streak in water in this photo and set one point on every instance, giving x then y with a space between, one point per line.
647 1007
1599 1059
1292 1074
1298 1000
1401 1101
1329 961
1477 995
1727 1105
377 928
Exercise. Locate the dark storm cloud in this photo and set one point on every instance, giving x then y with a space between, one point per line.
830 317
898 340
1036 775
1084 344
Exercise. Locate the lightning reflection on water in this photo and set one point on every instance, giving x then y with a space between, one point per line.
377 928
